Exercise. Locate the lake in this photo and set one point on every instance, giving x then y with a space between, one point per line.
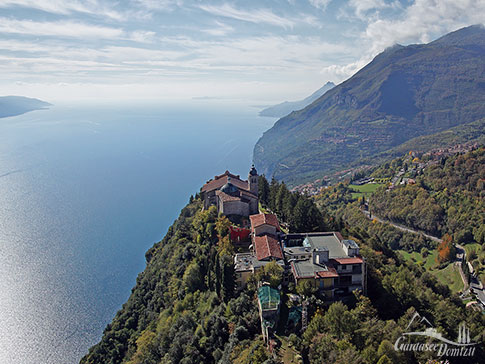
85 190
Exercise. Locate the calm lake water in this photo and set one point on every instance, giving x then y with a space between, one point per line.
85 190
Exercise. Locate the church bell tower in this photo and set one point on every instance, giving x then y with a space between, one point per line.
253 180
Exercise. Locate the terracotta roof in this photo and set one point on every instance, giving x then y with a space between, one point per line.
267 247
330 273
225 197
221 180
261 219
349 260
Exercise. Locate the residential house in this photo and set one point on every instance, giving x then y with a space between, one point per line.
332 264
262 224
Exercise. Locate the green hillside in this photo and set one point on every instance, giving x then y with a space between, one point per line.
448 197
403 94
184 309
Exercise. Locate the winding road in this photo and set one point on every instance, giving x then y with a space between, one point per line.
475 285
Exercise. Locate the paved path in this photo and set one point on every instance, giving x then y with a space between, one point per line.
477 288
460 260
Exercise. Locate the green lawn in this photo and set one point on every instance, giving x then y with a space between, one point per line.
448 275
366 189
429 261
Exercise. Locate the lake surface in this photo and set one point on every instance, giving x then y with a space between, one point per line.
85 190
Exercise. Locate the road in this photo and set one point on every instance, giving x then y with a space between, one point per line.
475 285
403 228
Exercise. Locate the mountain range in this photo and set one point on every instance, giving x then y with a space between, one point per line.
283 109
17 105
404 94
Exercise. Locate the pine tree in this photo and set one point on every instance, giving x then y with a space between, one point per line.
263 192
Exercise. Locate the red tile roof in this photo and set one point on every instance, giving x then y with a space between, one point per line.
261 219
221 180
267 247
350 260
330 273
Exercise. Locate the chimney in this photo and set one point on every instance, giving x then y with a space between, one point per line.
320 256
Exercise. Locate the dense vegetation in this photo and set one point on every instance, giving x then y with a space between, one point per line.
184 309
298 211
448 197
403 94
396 289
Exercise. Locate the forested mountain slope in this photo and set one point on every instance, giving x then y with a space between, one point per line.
183 308
404 93
448 197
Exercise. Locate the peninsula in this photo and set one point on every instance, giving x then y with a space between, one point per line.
18 105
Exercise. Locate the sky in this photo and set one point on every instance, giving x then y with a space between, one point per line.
256 51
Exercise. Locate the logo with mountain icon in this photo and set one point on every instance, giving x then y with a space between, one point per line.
420 326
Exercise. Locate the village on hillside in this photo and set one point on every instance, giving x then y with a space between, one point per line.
321 263
417 160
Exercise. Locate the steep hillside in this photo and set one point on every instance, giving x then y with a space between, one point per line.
184 309
283 109
404 93
448 197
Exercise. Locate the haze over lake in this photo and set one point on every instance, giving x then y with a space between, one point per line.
85 190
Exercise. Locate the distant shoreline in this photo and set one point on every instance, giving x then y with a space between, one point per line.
18 105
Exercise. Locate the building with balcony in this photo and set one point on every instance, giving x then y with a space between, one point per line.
332 264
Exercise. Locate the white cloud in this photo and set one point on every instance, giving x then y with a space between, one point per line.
60 29
338 73
362 7
259 16
158 4
321 4
51 6
142 36
292 58
424 20
92 7
220 29
420 22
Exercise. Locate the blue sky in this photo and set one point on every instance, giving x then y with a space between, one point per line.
255 51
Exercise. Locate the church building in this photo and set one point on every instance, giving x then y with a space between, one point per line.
231 194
